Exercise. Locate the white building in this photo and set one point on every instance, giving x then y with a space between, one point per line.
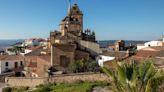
31 42
150 44
10 63
101 59
35 42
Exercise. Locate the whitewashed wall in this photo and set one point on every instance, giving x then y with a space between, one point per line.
150 44
11 65
153 43
101 59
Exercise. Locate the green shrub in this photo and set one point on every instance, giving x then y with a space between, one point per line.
80 86
84 66
133 77
7 89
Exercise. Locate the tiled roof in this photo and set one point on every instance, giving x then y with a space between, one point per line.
65 47
155 48
151 52
114 54
11 57
35 52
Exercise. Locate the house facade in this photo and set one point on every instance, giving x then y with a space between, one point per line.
150 44
10 63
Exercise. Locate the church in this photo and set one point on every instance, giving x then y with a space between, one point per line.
71 43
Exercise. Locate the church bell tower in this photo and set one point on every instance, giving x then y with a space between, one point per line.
73 21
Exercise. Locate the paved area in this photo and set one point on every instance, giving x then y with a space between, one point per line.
100 89
1 86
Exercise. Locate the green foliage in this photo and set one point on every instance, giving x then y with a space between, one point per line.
7 89
14 89
75 87
16 49
84 66
132 77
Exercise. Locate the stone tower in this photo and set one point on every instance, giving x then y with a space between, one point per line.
73 22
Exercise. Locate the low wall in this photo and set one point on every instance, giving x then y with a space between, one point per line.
2 76
79 77
22 81
65 78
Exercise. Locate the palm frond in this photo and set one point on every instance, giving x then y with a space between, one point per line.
107 72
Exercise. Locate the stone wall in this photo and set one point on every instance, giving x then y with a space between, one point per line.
63 50
66 78
70 78
2 76
24 82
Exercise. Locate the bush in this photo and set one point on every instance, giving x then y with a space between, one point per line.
79 86
84 66
7 89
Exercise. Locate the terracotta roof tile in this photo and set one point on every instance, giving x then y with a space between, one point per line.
151 52
11 57
35 52
65 47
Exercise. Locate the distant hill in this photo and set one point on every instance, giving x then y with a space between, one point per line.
6 43
105 43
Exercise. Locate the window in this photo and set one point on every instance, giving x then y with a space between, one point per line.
21 63
7 64
16 64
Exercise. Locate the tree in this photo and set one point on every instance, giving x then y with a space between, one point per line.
84 66
133 77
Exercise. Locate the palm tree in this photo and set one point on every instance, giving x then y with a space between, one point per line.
133 77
